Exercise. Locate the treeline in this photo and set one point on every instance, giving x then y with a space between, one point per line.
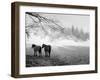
75 33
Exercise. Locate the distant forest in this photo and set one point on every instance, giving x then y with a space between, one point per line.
76 33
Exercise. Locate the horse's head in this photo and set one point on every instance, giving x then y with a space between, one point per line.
33 45
43 45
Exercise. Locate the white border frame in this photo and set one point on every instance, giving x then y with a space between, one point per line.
53 69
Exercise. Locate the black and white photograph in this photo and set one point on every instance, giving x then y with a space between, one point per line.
52 39
57 39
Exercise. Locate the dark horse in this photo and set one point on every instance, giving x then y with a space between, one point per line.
37 50
47 49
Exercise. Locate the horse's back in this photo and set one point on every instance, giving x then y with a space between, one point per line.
37 48
47 48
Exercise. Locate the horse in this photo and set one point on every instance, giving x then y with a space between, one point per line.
37 49
47 49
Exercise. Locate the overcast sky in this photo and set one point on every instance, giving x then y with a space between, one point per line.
67 20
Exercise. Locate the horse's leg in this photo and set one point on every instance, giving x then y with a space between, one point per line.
34 53
40 53
49 54
45 53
